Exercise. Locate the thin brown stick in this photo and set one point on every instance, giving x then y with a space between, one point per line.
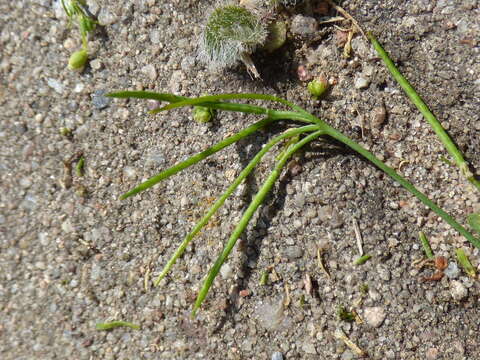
347 15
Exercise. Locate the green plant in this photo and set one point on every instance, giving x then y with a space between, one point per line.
465 263
232 33
78 13
115 324
426 245
312 129
315 128
450 146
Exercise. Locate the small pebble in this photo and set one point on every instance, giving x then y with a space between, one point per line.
361 83
303 25
309 348
99 100
79 88
431 354
55 85
226 271
293 252
374 316
347 355
150 72
96 64
458 291
452 271
378 117
277 355
441 262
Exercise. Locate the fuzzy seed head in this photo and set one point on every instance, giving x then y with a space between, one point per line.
231 31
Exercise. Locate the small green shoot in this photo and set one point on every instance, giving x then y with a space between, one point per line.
344 314
263 278
426 245
363 289
115 324
79 168
450 146
64 131
79 14
362 259
474 221
465 263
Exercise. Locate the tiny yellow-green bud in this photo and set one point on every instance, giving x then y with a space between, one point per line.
202 114
65 132
78 59
317 87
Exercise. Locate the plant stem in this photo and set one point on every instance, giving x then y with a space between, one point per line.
420 104
235 96
247 215
465 263
197 158
407 185
243 174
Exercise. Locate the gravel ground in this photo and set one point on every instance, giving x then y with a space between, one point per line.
73 255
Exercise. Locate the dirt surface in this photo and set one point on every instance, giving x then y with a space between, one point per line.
73 255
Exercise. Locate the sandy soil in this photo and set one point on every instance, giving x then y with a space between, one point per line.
73 255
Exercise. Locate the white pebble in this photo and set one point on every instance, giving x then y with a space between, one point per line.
361 83
458 291
374 316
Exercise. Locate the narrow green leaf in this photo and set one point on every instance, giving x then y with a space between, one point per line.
426 245
220 201
362 259
465 263
406 184
116 324
427 114
216 98
79 167
196 158
247 215
146 95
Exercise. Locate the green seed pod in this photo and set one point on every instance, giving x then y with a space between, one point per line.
232 33
202 114
317 87
78 60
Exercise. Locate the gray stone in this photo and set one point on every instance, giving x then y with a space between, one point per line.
361 83
303 25
293 252
99 100
277 355
452 271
